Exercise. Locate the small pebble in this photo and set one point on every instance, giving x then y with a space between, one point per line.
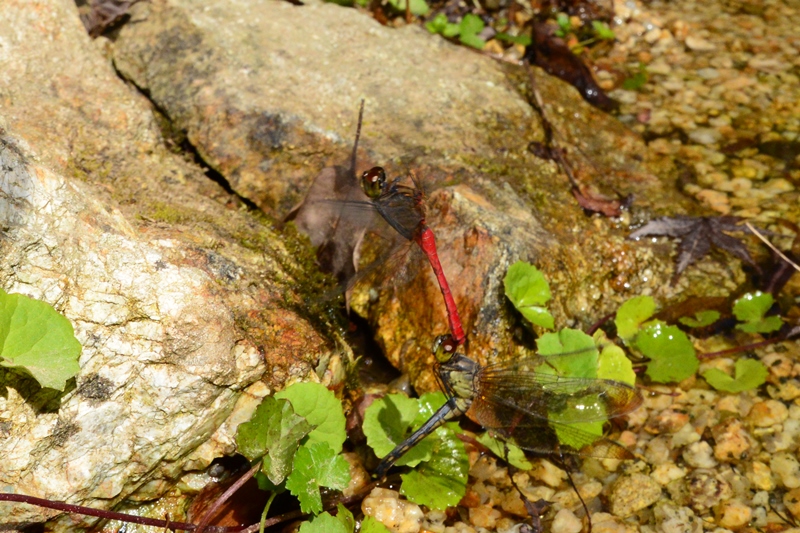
699 455
787 468
760 476
768 413
385 506
699 44
565 521
733 514
792 502
732 442
633 493
484 516
705 136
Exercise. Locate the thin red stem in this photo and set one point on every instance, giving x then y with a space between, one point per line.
427 242
109 515
215 507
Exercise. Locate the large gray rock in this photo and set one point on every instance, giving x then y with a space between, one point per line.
268 92
183 301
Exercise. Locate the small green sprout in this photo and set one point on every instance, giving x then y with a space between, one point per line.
701 319
417 7
564 25
749 374
602 31
751 308
637 80
466 30
528 291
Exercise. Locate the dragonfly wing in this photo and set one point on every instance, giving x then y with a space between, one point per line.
402 209
539 410
548 396
543 436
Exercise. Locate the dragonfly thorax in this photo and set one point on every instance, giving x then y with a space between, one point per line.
458 374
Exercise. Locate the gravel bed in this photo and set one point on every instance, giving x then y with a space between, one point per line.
722 97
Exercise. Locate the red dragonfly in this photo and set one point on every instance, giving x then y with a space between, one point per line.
401 206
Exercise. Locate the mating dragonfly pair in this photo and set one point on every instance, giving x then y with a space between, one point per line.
517 401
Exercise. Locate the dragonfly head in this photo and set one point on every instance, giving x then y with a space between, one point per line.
444 348
373 181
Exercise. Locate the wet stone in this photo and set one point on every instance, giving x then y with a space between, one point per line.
792 502
760 476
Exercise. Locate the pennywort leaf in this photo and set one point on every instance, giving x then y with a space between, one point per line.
528 291
507 451
325 523
749 374
471 25
700 319
387 423
632 314
440 482
672 355
371 525
37 340
320 407
751 309
273 434
439 479
569 353
316 465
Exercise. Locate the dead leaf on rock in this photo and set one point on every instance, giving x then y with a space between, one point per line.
103 14
698 235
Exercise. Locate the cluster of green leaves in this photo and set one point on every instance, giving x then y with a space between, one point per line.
751 310
637 80
582 356
440 479
297 435
36 340
670 351
599 32
467 29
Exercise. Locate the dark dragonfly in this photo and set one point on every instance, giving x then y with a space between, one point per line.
532 409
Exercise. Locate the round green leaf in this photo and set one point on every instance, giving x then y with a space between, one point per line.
749 374
37 340
672 355
568 353
632 314
528 291
321 409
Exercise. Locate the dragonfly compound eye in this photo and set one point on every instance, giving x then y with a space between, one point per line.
372 181
444 347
